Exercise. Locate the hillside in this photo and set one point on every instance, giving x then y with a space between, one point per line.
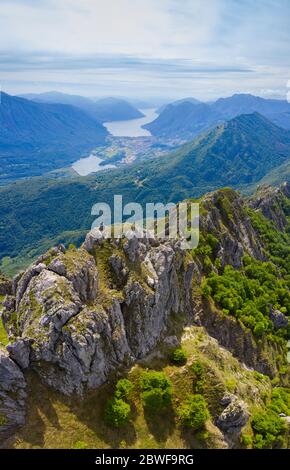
106 109
74 324
237 153
116 109
182 121
185 120
38 137
178 102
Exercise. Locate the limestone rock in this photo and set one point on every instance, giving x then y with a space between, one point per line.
5 286
94 237
279 319
19 351
269 201
12 396
234 416
79 268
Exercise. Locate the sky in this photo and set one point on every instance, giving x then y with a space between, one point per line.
146 49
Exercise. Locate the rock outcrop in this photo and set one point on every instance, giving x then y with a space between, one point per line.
76 316
270 202
12 396
240 341
279 319
233 418
5 286
225 217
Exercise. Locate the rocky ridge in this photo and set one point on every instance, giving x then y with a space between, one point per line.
77 315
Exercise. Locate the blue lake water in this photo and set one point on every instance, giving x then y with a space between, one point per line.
130 128
91 164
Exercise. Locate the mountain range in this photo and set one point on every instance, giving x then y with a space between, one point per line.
38 137
178 102
184 120
237 153
103 110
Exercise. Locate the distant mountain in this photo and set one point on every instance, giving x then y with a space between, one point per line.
236 153
116 109
185 120
107 109
60 98
38 137
177 102
246 103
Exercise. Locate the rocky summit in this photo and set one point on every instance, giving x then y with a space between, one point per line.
77 316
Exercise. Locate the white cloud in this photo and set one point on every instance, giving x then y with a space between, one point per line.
36 37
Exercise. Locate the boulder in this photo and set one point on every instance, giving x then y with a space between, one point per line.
19 351
279 319
234 416
12 396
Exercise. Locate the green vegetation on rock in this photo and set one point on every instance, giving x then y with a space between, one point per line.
250 293
178 357
269 429
3 334
194 412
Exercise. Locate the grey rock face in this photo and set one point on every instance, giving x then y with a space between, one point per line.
269 201
239 237
12 396
234 416
279 319
80 269
5 286
239 342
120 270
19 351
73 332
94 237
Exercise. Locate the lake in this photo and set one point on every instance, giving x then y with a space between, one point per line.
132 127
91 164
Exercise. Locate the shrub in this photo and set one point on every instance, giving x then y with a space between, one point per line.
117 412
156 399
281 400
124 388
269 429
179 357
80 445
198 376
246 440
247 294
156 391
154 379
194 412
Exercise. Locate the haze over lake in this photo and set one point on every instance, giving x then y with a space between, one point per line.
132 127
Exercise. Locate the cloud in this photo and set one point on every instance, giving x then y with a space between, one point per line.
213 44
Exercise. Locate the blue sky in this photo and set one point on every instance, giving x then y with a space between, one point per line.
146 49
